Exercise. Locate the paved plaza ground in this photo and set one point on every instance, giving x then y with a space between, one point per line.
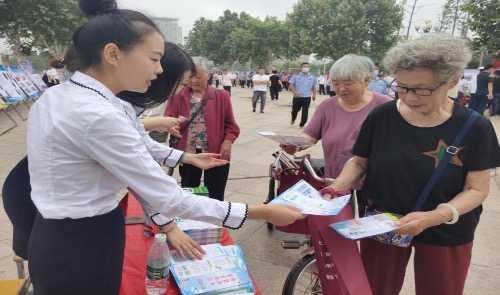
268 262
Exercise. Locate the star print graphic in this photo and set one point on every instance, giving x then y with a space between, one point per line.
439 152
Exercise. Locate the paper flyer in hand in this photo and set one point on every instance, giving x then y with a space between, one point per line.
365 227
306 198
221 271
286 139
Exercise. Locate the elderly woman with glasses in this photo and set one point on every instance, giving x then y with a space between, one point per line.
337 120
399 147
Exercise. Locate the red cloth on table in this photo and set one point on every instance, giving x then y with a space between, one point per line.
136 254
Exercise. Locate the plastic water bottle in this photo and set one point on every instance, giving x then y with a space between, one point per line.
157 270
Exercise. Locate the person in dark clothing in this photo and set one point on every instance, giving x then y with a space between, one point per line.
16 195
276 85
479 101
495 102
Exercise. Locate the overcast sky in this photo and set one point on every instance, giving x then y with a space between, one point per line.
187 11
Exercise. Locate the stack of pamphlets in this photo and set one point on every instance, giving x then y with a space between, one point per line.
203 233
221 271
305 197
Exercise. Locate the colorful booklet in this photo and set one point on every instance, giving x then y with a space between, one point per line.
365 227
306 198
298 141
221 271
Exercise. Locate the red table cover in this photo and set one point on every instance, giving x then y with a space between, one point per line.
136 254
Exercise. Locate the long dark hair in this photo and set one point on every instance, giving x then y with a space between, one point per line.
175 63
106 24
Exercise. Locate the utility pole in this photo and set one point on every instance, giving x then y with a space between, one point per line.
455 18
411 19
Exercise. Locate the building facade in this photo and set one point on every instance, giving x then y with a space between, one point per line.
170 29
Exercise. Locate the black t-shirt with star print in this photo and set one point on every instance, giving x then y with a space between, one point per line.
402 158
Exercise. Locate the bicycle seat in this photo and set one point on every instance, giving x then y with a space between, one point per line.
318 166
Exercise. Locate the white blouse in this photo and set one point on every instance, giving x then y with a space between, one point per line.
85 145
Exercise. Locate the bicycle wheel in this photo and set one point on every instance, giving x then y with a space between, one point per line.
303 278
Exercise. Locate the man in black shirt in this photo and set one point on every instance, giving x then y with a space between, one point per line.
479 101
276 86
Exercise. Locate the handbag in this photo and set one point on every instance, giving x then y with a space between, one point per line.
395 239
173 141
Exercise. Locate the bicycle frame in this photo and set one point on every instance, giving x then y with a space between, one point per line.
335 271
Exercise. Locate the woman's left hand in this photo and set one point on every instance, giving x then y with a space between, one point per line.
416 222
204 161
183 243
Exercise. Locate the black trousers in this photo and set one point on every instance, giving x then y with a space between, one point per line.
275 92
322 89
227 88
298 104
77 256
215 179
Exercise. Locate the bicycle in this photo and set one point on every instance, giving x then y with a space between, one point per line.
304 277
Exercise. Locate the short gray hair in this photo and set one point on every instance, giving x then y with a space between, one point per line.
445 55
352 67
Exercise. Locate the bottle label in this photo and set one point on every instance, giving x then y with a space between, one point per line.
155 273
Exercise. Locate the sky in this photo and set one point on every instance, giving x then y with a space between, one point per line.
188 11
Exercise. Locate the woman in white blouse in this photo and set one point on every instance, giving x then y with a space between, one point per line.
85 145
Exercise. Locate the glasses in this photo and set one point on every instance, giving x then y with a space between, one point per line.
401 90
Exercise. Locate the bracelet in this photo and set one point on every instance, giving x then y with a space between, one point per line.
454 211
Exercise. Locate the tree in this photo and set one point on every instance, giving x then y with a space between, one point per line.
43 25
453 18
333 28
484 20
240 38
209 38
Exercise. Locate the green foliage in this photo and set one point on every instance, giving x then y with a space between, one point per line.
40 24
484 20
241 38
333 28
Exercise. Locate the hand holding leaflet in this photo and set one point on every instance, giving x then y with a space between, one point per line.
371 226
307 199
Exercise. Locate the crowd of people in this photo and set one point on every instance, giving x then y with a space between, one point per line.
385 131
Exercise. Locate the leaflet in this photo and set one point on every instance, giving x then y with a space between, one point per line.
365 227
306 198
221 271
286 139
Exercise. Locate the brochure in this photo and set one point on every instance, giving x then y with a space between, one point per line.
306 198
221 271
286 139
365 227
